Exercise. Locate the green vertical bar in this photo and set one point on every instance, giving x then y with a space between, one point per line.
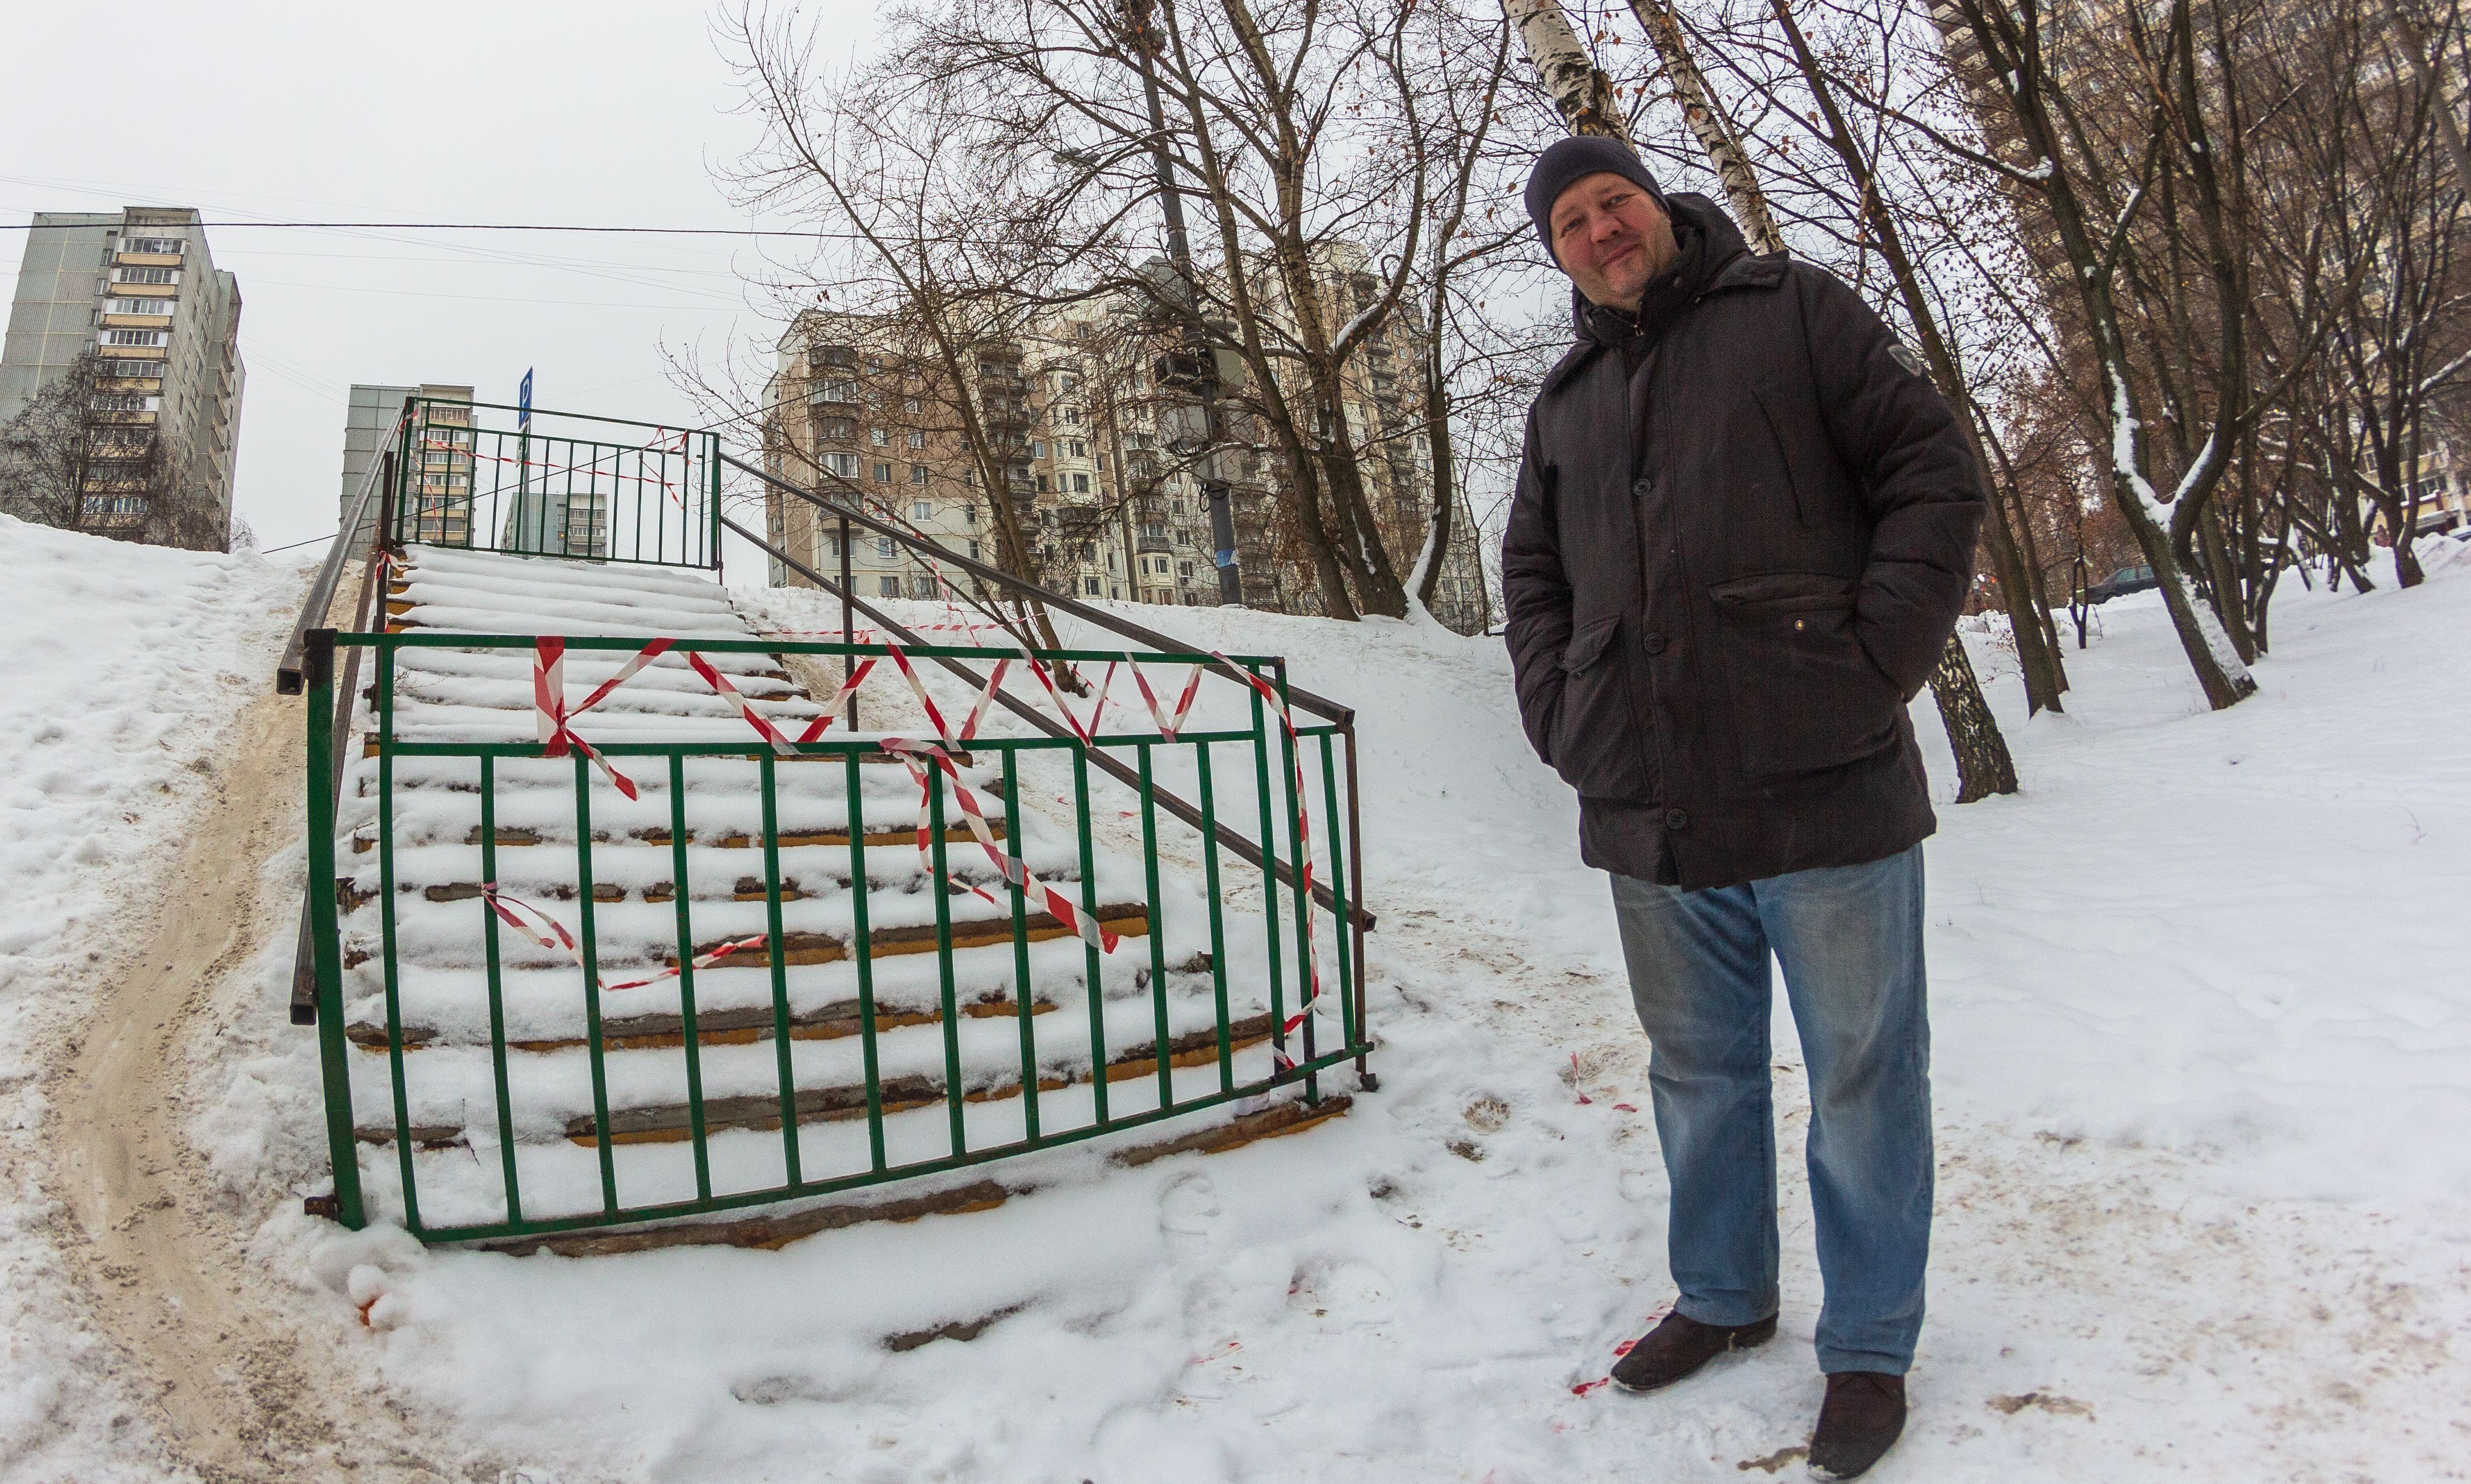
1025 1001
1097 993
861 947
588 938
1217 920
385 931
1300 863
325 946
780 971
1269 875
1338 896
678 893
497 989
1157 932
712 549
944 961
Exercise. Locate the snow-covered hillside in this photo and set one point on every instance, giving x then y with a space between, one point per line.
2203 1042
121 669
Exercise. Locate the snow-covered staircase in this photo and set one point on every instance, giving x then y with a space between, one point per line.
510 1082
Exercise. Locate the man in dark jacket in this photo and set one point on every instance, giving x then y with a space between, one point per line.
1742 531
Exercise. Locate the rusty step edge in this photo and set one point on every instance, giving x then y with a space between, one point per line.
903 836
814 948
671 1123
712 1027
770 1232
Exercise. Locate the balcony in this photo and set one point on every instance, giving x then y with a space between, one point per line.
1154 544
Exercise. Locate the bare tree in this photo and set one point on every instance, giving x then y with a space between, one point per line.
86 457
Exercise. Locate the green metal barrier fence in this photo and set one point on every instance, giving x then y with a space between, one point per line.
473 475
1236 976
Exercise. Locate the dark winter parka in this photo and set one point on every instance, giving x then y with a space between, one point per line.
1743 531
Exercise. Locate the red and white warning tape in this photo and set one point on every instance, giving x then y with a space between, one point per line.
1304 863
508 906
557 718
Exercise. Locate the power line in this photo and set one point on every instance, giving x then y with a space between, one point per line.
459 226
312 541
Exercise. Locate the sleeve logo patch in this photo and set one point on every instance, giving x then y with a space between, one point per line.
1903 355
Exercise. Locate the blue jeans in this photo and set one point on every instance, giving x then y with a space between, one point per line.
1851 941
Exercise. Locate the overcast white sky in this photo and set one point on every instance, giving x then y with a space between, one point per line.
612 112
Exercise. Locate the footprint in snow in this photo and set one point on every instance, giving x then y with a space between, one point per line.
1187 1210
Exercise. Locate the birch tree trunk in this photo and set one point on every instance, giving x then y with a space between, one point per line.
1689 89
1583 93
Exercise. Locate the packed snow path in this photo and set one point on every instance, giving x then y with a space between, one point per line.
558 1103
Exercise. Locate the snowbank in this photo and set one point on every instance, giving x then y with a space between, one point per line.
123 665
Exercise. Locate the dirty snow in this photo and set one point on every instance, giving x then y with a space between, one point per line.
123 665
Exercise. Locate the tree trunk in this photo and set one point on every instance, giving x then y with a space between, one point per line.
1983 765
1690 90
1584 94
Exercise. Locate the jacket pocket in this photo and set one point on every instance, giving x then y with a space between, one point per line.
1805 694
1597 746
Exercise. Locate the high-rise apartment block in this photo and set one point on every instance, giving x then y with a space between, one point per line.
1096 464
442 457
138 289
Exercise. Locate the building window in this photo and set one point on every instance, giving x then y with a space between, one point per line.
136 338
827 545
1042 484
158 246
845 465
884 474
912 405
921 510
883 547
1090 587
888 588
836 391
969 515
1037 448
917 439
1184 569
974 550
878 438
917 473
1080 483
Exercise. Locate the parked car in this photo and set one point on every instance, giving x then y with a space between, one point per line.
2127 580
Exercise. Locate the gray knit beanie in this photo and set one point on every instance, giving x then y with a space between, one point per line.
1570 159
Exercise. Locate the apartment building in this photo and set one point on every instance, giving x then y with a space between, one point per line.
443 458
137 288
1098 464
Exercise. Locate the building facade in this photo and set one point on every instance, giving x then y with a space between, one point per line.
1096 462
445 460
137 288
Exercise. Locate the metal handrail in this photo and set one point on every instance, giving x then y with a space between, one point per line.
376 483
1320 706
1234 840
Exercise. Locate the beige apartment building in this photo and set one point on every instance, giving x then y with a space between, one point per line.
137 288
1098 464
443 461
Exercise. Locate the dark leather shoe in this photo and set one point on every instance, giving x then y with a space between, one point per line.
1679 1345
1864 1412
